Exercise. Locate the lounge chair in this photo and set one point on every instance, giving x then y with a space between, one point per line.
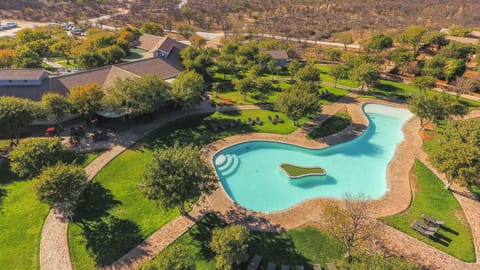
285 267
433 220
299 267
250 122
271 266
239 123
426 227
272 120
278 119
331 266
317 267
422 231
254 262
258 121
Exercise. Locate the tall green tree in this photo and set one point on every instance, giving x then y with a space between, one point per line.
457 155
299 101
188 89
27 58
230 245
198 60
137 96
30 157
273 67
401 57
60 187
55 106
338 72
62 46
412 36
175 258
176 175
152 28
424 83
86 99
244 86
308 74
366 74
16 114
293 67
380 42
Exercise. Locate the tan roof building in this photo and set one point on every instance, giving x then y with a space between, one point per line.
465 40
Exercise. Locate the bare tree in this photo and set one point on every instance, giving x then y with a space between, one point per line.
465 85
350 221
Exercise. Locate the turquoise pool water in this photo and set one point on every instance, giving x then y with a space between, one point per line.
250 172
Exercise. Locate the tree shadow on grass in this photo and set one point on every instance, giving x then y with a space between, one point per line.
111 238
276 247
202 233
94 203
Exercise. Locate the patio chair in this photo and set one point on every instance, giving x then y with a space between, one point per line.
317 267
422 231
433 220
426 227
239 123
331 266
278 119
254 262
285 267
258 121
272 120
271 266
250 122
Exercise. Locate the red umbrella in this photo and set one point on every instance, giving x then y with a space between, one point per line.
50 129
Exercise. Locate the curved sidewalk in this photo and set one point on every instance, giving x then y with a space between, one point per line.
54 248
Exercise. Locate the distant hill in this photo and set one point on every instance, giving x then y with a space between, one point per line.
57 10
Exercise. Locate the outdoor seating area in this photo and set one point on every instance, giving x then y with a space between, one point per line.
428 228
275 120
225 124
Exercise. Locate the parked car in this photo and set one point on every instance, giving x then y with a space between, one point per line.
9 25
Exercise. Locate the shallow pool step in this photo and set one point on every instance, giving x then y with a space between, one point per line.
226 164
233 167
220 160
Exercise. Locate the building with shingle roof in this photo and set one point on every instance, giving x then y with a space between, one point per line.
280 56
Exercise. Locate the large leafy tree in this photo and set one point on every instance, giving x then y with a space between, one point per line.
137 96
30 157
198 60
63 46
350 223
152 28
308 74
230 245
293 67
412 36
60 187
299 101
176 175
175 258
188 89
380 42
86 99
366 74
7 58
401 57
26 57
424 83
244 86
16 114
457 155
338 72
55 106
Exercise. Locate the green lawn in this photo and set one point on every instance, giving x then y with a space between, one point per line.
4 144
296 171
332 125
135 55
433 199
327 78
21 219
63 61
303 246
114 206
402 91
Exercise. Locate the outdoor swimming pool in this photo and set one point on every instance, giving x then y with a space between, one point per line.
250 172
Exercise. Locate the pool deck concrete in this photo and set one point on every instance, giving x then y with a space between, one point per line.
397 198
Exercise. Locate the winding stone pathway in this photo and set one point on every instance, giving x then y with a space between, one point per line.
54 253
54 248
